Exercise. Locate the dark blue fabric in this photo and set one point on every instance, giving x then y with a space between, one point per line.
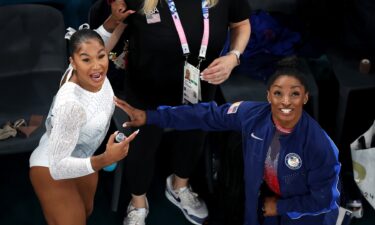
269 42
268 36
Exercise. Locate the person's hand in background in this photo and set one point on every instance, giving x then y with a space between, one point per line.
220 69
119 10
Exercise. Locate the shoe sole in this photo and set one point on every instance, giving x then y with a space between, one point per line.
173 200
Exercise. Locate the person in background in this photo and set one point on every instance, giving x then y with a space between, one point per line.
291 167
63 168
165 40
161 42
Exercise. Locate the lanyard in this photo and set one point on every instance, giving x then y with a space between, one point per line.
181 32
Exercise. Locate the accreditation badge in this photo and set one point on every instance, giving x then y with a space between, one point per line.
191 92
153 16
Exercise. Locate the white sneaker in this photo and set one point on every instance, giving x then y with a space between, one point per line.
356 207
194 208
136 216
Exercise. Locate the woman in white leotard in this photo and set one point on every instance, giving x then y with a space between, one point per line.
63 168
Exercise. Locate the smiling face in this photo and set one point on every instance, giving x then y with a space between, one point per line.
90 64
287 96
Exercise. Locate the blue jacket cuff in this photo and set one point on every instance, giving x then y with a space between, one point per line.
152 117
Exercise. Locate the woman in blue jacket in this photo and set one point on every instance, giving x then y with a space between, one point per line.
291 165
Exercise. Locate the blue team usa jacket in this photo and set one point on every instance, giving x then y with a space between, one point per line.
308 168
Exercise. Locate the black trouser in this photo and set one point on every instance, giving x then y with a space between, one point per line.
140 162
187 145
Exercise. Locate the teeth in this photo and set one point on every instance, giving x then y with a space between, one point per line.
286 110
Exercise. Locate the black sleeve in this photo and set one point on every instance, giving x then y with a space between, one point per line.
239 10
98 13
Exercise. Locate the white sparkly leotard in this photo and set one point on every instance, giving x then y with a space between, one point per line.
76 126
